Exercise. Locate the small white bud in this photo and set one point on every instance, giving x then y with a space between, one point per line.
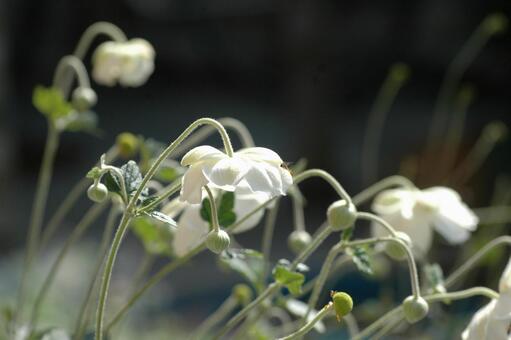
97 192
298 240
217 241
415 309
341 215
396 251
84 98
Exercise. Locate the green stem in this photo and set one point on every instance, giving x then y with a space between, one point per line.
397 76
75 64
90 216
387 328
81 320
385 183
37 214
268 231
316 242
171 190
325 176
378 220
307 327
214 212
298 214
226 308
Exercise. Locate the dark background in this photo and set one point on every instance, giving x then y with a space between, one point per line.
302 75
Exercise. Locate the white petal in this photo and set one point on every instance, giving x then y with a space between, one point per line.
299 308
394 201
192 182
258 179
191 230
476 329
261 155
505 279
244 204
287 179
200 153
455 222
443 193
174 207
226 173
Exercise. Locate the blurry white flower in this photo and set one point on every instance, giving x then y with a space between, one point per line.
260 169
129 63
417 212
192 229
493 321
299 308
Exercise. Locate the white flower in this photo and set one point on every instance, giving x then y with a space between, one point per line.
299 308
493 321
129 63
260 169
417 212
192 229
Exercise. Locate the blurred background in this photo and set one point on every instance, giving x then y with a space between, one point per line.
302 75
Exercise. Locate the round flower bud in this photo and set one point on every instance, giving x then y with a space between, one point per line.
298 240
341 215
83 98
495 23
343 304
217 241
415 308
395 250
242 293
127 144
97 192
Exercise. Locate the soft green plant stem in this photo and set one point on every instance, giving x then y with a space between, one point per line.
90 216
385 183
81 320
378 220
298 214
127 216
226 308
307 327
214 212
315 243
76 65
387 328
268 231
453 76
325 176
471 262
37 213
351 324
397 76
171 190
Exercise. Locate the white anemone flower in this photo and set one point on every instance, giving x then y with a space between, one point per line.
299 309
418 212
493 321
192 229
128 63
259 169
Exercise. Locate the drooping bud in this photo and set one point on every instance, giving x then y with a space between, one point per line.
97 192
83 98
395 250
217 241
127 144
341 215
343 304
415 309
242 293
298 240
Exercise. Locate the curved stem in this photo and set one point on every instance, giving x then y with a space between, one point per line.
90 216
378 220
216 317
81 320
307 327
75 64
214 212
268 232
316 242
325 176
471 262
172 189
385 183
298 214
397 76
37 213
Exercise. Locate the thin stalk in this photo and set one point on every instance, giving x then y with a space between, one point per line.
77 66
298 214
172 189
326 177
385 183
90 216
212 206
37 214
226 308
307 328
397 76
378 220
268 232
316 242
81 320
387 328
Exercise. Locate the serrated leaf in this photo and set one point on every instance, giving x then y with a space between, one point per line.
112 183
132 176
145 201
205 211
434 275
226 215
226 218
94 173
246 262
226 202
360 257
50 102
292 280
161 217
155 236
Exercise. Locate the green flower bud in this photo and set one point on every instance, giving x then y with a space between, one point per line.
242 293
341 215
83 98
97 192
127 144
415 308
395 250
217 241
400 72
495 23
298 240
495 131
343 304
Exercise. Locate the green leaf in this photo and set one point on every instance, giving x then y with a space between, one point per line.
50 102
226 218
360 257
346 234
226 202
246 262
132 176
292 280
434 275
94 173
155 236
205 211
226 215
111 183
161 217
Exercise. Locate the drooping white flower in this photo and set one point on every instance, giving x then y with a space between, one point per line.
192 229
128 63
417 212
260 169
299 308
493 321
